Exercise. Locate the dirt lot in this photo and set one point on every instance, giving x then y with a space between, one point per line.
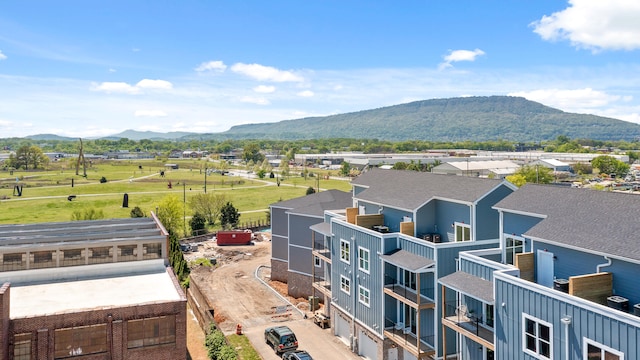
238 295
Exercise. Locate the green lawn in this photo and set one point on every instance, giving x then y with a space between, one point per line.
44 193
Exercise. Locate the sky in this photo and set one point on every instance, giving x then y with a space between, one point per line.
96 68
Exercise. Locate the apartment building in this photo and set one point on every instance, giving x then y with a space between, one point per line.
292 237
89 290
562 284
383 256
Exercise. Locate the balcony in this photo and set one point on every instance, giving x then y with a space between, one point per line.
321 250
409 296
460 320
322 285
405 338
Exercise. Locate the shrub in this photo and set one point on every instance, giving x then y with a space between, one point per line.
197 224
136 212
103 180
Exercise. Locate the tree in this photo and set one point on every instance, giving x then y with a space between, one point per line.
27 157
197 224
208 204
536 174
229 216
171 214
136 212
251 152
516 179
284 167
610 165
345 169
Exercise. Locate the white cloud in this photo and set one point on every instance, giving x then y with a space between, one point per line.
265 73
150 113
576 100
217 66
460 55
5 123
264 89
154 84
116 87
595 25
124 88
112 70
306 93
255 100
2 56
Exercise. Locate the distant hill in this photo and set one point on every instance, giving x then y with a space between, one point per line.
148 135
455 119
50 137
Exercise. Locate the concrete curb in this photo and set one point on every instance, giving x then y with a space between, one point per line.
257 275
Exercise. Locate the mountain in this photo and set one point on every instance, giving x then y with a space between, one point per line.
455 119
50 137
148 135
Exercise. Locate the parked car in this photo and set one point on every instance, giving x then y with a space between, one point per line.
297 355
281 339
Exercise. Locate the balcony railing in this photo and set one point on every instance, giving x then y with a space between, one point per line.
408 295
321 284
405 337
458 318
320 248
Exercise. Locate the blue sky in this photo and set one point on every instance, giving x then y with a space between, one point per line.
96 68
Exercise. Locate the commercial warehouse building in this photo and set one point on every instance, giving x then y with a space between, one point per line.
89 289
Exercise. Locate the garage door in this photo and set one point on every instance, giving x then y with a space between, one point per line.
367 347
342 330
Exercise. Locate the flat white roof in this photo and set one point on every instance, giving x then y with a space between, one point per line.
72 296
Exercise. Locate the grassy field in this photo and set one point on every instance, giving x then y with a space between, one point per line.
45 193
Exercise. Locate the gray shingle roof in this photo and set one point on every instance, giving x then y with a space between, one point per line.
316 204
408 260
469 284
411 189
598 221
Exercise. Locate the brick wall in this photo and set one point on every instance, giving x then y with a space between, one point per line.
279 270
299 285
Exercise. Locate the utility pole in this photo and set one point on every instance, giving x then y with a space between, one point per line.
205 179
184 208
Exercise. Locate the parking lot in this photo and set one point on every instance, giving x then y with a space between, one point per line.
238 296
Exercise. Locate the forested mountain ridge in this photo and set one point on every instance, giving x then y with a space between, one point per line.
454 119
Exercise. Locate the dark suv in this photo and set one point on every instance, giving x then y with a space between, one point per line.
281 339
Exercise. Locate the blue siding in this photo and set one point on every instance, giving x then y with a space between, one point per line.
487 219
518 224
603 326
447 213
373 281
626 281
475 269
357 189
299 231
393 218
425 220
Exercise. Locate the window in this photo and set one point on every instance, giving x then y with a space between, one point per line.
99 255
536 337
513 245
43 259
488 315
595 351
80 341
151 331
152 251
22 347
316 261
363 295
344 251
462 232
127 252
363 259
345 284
71 257
14 261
